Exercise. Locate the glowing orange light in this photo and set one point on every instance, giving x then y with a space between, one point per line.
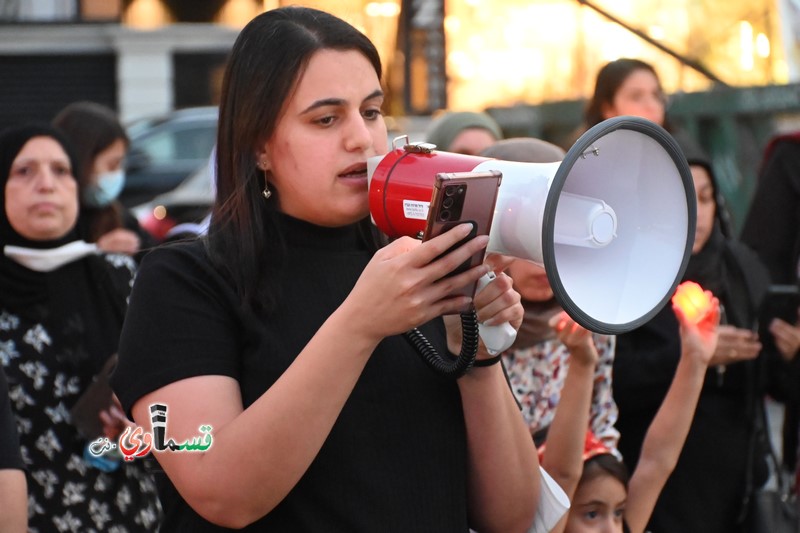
692 300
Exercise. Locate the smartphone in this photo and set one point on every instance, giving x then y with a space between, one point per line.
85 414
780 301
458 198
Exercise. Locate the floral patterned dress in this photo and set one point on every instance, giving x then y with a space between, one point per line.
537 374
47 369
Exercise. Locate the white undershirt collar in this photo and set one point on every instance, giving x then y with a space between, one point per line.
49 259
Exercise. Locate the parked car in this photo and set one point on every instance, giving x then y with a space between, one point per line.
183 211
165 150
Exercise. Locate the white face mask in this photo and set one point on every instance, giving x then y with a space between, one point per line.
106 190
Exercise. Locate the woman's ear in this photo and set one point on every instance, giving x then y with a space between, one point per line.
262 160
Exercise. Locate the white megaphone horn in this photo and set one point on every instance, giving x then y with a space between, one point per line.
612 224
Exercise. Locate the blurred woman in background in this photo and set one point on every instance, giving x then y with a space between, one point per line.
627 87
708 488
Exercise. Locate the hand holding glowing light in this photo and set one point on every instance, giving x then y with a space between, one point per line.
698 314
693 301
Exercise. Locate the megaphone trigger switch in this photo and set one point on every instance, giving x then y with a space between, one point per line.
496 338
485 280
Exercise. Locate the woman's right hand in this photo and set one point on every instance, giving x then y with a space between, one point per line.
404 285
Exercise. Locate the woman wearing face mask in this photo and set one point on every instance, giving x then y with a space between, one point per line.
100 144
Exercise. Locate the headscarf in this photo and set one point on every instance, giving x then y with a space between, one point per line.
20 287
12 140
525 149
82 286
695 155
723 266
444 129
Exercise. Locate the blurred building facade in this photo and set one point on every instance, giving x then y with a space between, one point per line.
731 67
150 56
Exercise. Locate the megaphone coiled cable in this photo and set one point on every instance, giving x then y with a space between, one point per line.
453 367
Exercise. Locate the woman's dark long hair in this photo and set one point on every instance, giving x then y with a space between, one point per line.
609 80
266 62
92 128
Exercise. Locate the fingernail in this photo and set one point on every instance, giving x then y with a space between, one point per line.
465 228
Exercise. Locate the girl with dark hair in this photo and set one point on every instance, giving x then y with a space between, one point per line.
603 498
100 144
61 309
282 329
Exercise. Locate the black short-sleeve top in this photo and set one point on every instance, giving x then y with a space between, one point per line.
395 459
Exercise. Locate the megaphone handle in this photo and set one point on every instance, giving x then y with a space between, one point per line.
495 338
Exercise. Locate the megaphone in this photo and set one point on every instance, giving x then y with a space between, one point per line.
612 224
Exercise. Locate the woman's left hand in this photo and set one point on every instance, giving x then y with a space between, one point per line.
496 303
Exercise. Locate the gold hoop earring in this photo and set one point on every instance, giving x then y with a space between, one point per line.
266 193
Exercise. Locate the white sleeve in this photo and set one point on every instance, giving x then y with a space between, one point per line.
553 504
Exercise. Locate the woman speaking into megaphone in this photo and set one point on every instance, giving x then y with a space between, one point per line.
282 329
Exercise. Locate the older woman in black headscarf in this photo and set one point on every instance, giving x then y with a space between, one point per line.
61 310
707 490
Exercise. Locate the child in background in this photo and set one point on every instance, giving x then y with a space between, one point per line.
602 496
538 361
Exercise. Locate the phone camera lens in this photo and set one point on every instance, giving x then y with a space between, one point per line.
448 202
449 191
444 215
